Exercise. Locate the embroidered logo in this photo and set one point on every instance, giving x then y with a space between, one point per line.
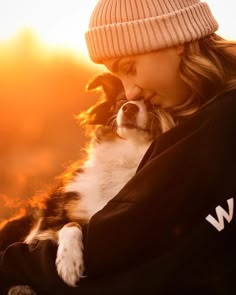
221 214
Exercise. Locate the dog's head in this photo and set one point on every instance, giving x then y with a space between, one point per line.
113 114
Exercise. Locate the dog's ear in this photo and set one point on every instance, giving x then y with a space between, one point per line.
110 84
103 110
99 114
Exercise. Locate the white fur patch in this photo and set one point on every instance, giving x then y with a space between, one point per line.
69 261
110 166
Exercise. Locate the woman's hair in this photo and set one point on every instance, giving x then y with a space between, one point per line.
208 67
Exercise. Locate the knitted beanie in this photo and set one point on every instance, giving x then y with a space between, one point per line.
129 27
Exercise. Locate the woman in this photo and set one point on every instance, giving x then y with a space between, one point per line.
171 229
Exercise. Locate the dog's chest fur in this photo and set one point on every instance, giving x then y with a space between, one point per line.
110 166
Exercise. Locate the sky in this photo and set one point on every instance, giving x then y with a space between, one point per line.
62 23
59 23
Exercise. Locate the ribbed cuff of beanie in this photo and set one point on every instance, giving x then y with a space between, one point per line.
149 34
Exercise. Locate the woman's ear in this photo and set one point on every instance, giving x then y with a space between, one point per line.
180 49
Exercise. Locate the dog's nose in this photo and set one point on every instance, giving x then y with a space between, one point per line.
130 109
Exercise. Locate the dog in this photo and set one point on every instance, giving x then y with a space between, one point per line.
120 133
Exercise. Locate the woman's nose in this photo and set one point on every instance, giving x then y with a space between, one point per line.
132 91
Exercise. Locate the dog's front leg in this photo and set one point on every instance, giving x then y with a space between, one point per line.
69 261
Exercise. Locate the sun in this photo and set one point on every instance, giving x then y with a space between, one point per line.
62 23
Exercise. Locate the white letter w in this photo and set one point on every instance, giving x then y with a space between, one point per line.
221 214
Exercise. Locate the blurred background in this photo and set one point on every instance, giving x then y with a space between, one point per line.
44 67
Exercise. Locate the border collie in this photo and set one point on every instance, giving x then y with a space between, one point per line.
121 134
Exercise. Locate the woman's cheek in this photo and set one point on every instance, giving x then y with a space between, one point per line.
145 81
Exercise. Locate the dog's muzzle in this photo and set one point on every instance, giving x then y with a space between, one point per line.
130 110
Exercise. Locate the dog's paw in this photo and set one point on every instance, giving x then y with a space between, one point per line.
21 290
69 261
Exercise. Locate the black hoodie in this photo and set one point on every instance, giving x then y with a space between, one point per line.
171 229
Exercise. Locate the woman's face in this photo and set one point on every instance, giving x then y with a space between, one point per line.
153 76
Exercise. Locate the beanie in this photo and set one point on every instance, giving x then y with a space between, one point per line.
120 28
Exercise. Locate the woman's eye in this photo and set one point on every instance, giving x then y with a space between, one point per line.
131 69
